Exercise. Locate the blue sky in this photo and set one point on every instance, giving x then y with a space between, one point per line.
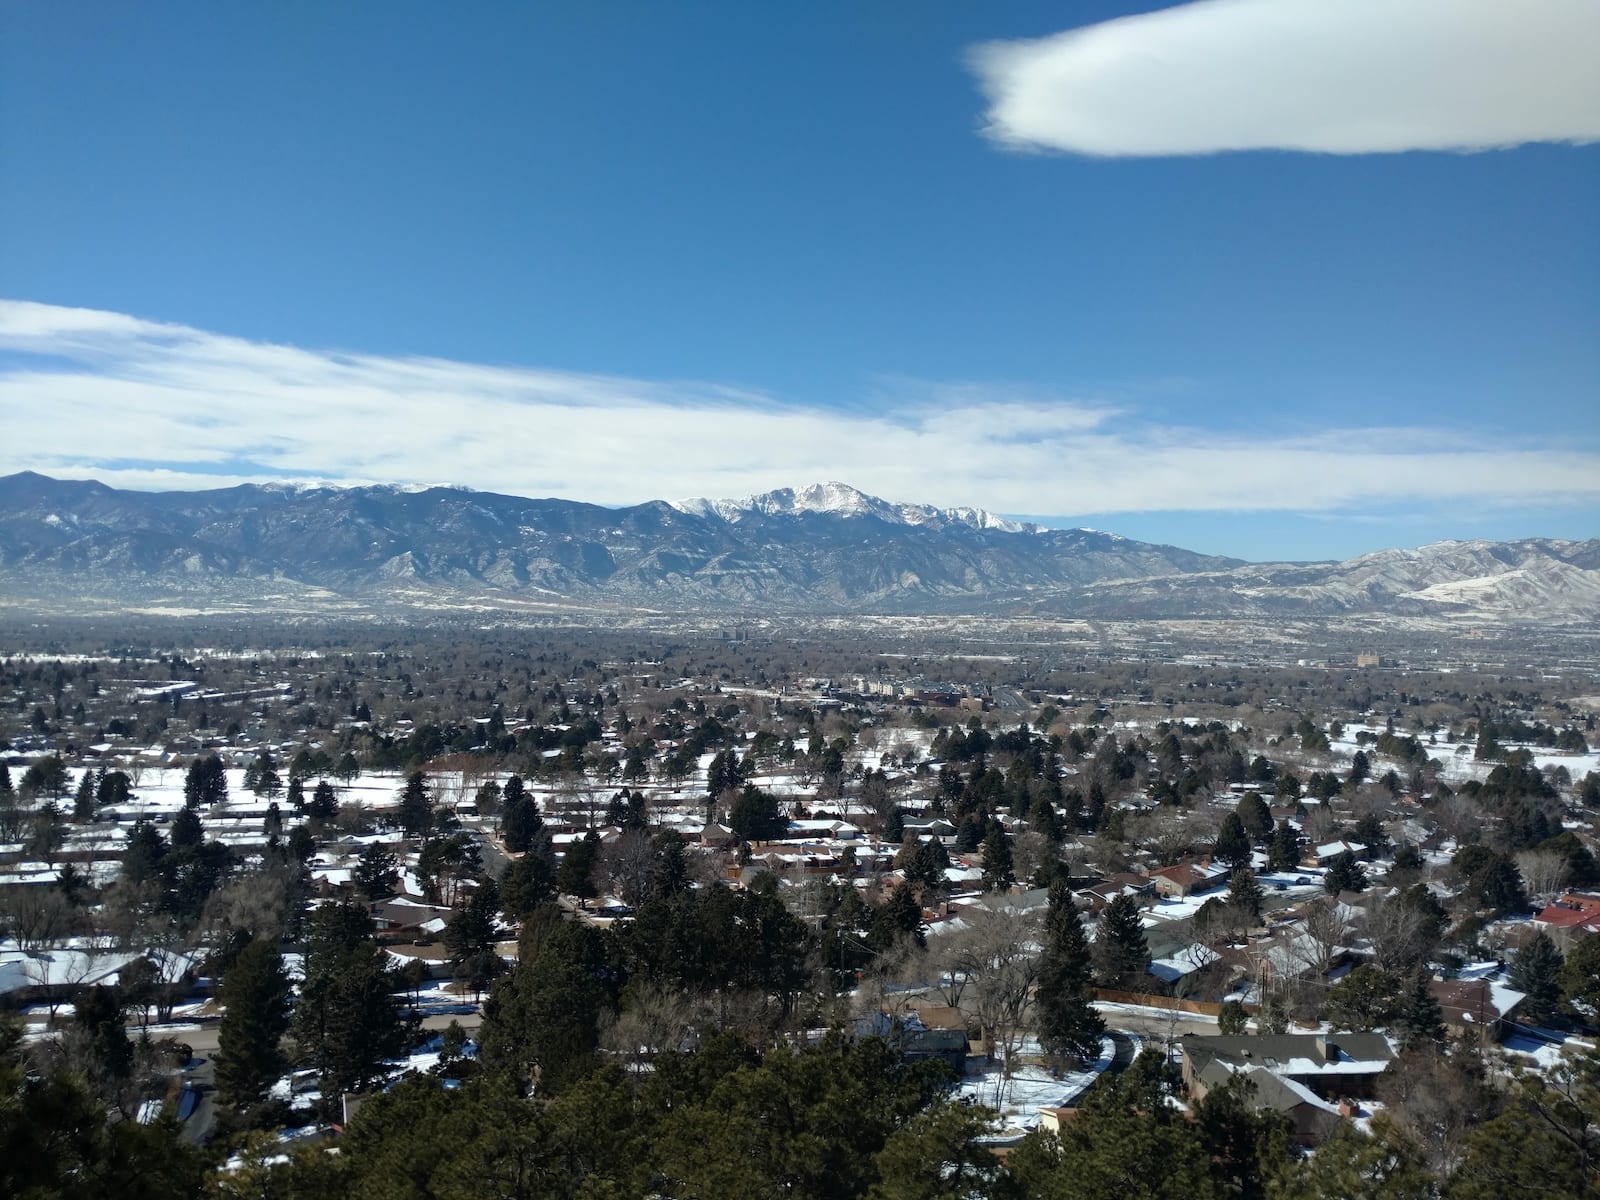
622 251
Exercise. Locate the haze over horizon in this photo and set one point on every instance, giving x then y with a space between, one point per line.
948 256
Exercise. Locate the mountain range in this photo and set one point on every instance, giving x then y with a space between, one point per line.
826 548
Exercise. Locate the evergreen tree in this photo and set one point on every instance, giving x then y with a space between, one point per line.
546 1012
1344 874
997 868
8 790
97 1013
84 804
927 864
1351 1165
754 815
262 777
186 829
1536 971
1580 980
1366 999
472 930
899 917
1067 1021
114 787
348 1019
1420 1018
416 806
1121 951
255 1000
1245 897
1128 1140
377 872
1256 816
521 825
1233 843
575 876
324 804
144 856
528 882
1499 886
1284 852
296 796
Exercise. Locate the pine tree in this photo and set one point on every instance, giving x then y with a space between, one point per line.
145 853
528 882
997 868
376 873
1121 951
206 782
1067 1022
472 929
324 804
262 776
521 824
255 999
1344 875
1580 980
97 1012
348 1019
1233 843
83 806
1245 896
1284 852
186 829
1257 817
8 790
416 806
1420 1018
575 875
899 917
1536 970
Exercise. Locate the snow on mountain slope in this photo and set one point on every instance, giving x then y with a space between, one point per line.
842 500
1542 588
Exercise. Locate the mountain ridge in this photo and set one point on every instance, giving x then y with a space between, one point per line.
819 548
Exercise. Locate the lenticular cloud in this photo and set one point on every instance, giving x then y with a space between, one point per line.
1327 76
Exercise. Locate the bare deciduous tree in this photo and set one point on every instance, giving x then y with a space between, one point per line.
1545 872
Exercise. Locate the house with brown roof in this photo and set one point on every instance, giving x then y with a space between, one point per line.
1188 878
1475 1007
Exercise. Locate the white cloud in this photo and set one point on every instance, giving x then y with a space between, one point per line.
1331 76
142 404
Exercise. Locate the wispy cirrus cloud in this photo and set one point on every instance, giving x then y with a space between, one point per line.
144 404
1330 76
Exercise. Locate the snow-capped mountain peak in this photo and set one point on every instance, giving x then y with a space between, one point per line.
842 500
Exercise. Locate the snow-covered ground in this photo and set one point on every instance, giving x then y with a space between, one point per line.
1032 1086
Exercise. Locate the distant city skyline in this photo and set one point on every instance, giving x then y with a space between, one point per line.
1080 276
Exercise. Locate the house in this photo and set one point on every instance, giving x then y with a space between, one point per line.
926 827
1182 963
1571 916
1312 1118
941 1037
1330 1067
718 837
1475 1007
1124 883
401 916
1187 878
1323 855
1053 1117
